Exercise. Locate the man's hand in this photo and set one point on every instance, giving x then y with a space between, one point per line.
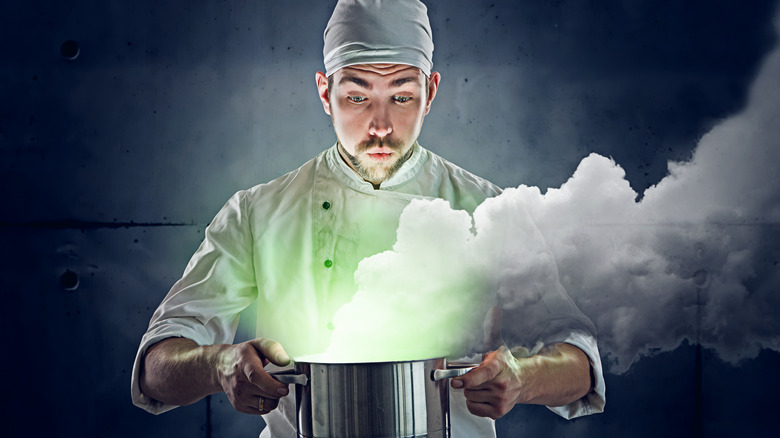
492 389
558 375
178 371
248 386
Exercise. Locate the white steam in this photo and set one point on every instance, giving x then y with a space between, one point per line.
432 294
409 303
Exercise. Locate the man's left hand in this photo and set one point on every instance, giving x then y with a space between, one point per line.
492 389
558 375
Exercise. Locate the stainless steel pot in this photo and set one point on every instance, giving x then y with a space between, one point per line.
372 399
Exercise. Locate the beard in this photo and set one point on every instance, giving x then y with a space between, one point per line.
373 171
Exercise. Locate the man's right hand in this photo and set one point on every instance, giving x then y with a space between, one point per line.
248 386
178 371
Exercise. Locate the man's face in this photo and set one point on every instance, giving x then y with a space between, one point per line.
377 112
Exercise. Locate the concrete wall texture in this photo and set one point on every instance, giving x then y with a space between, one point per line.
125 126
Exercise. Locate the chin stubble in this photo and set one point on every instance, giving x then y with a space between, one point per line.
378 172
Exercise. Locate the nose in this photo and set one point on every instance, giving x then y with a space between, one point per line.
380 124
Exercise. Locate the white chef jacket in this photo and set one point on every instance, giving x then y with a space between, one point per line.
293 245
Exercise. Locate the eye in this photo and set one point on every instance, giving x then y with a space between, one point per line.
402 99
357 99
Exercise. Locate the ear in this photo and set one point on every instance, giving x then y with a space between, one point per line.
322 90
433 85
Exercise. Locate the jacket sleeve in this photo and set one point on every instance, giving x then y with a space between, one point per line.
548 316
204 305
596 399
536 309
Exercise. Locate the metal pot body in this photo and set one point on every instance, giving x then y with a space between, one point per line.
377 399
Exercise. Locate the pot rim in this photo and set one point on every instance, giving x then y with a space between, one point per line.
322 359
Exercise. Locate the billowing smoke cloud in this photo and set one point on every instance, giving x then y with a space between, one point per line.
434 293
421 299
696 258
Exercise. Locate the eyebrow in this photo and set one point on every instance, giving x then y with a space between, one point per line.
362 83
400 81
354 79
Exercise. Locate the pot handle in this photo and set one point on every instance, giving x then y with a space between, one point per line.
450 373
289 376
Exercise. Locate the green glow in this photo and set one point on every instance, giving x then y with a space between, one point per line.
358 290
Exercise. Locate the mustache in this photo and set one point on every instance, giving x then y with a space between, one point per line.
372 142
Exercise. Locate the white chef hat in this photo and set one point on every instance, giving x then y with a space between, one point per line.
378 32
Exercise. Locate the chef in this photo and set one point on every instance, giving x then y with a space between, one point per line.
293 244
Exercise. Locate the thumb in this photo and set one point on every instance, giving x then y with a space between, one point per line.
272 351
485 372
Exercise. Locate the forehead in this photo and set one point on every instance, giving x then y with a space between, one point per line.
379 74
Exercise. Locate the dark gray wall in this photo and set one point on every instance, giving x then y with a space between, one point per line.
112 163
